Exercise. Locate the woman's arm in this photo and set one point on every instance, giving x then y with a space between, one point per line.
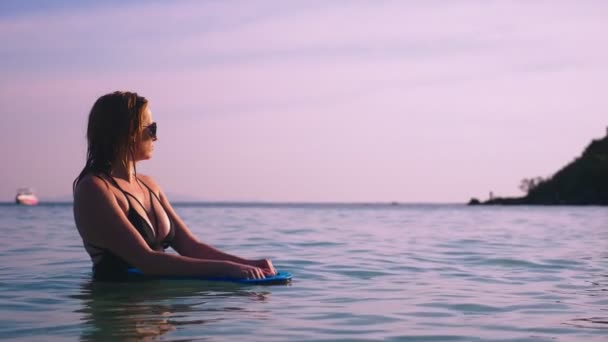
102 222
187 244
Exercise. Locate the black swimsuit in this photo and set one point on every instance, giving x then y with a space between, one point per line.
111 267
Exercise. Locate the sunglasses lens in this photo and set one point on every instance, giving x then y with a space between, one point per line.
152 129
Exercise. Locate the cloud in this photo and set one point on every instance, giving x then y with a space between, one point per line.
186 35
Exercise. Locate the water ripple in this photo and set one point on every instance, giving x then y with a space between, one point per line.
362 273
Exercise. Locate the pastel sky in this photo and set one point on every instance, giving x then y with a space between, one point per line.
331 101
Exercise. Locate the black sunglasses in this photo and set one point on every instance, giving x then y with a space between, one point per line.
152 129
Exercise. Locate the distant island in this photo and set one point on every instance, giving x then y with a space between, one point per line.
584 181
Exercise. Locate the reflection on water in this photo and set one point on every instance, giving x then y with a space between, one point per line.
144 310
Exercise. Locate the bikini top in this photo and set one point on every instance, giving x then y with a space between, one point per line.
112 267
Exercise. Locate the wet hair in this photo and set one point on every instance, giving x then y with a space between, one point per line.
114 128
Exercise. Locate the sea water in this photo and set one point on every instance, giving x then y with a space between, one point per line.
361 272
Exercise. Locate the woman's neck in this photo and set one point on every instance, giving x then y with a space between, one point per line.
125 172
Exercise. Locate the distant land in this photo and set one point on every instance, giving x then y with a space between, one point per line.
584 181
173 197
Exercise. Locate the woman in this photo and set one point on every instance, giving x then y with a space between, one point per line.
124 218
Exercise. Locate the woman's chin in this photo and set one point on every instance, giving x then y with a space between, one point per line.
145 157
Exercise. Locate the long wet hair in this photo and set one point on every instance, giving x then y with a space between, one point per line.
114 128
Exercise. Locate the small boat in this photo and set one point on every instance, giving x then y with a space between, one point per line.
26 196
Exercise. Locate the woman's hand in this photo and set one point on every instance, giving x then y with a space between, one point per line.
265 265
242 271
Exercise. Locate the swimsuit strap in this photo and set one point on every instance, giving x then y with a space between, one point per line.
126 193
171 229
150 189
116 185
153 193
151 200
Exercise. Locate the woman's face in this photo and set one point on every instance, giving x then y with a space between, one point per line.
147 139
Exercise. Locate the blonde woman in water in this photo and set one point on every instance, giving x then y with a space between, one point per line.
124 218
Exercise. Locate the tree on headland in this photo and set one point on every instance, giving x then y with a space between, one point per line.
528 184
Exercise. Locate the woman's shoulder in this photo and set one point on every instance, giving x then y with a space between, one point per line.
149 181
91 186
91 182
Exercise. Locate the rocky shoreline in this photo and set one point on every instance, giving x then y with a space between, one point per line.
583 181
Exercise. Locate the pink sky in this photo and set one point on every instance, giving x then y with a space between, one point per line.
311 101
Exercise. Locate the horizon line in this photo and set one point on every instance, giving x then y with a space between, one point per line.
262 202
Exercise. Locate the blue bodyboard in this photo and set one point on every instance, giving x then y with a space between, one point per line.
277 279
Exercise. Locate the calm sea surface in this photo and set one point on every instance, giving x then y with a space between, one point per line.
361 272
